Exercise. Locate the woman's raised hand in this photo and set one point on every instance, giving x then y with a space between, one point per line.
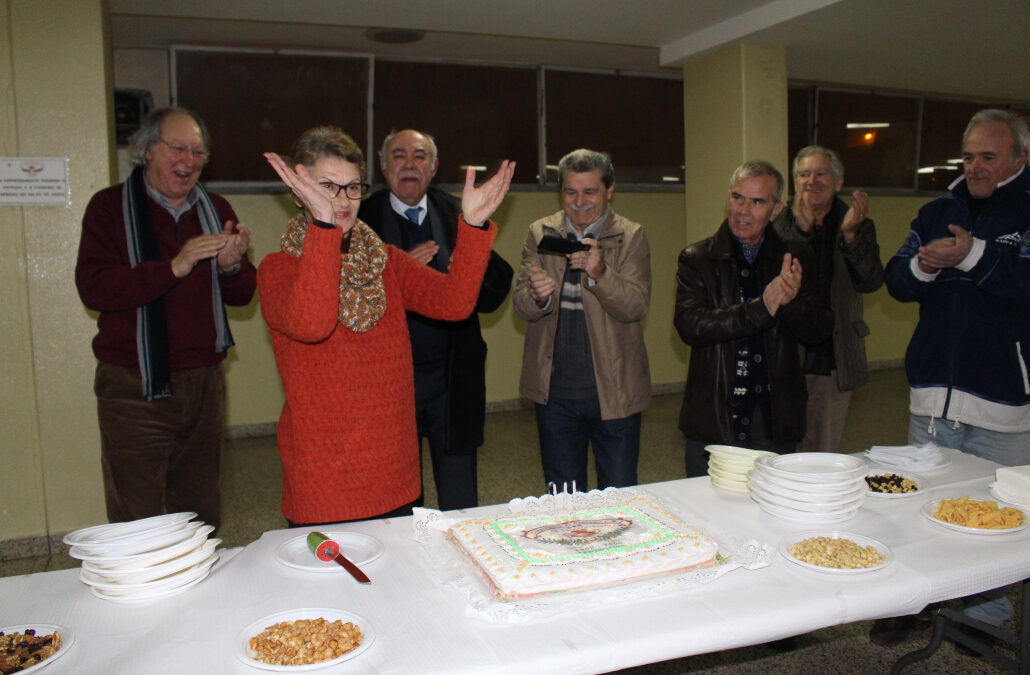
304 188
478 204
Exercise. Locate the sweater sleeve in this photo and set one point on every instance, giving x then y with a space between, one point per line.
103 276
451 296
300 297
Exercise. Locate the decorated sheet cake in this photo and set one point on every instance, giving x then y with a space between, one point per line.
547 551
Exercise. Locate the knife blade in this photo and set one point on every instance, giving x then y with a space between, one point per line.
326 549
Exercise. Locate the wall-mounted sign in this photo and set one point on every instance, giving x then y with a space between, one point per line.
34 181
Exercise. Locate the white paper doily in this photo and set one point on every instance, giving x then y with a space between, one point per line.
455 571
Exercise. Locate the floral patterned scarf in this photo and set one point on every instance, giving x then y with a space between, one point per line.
362 294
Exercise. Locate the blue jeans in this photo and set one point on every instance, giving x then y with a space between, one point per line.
565 426
1007 449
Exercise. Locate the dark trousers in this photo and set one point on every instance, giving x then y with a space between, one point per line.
566 426
161 456
454 469
758 437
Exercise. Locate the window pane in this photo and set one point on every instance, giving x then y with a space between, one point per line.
637 120
941 141
256 102
881 156
478 115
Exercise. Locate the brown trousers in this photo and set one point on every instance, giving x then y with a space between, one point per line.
161 456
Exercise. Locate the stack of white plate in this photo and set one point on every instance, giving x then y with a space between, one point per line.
809 487
728 466
144 560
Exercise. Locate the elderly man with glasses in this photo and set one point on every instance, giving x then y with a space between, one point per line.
158 259
449 356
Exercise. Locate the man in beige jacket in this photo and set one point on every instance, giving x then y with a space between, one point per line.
585 364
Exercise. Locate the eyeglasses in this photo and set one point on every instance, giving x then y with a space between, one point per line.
179 151
352 190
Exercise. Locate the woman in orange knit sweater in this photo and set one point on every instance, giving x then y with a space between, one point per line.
334 300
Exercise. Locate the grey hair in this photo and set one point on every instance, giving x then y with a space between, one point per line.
584 161
1017 126
393 134
836 166
759 167
147 136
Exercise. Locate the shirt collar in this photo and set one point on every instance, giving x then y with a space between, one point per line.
750 252
400 207
191 200
592 230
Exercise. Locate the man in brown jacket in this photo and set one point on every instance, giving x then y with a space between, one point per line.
585 364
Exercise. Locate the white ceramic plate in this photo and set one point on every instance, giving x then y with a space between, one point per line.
148 598
242 642
827 508
918 480
787 543
808 492
734 453
101 533
154 572
997 495
801 517
149 541
169 582
814 467
737 468
360 549
148 558
67 640
728 475
929 507
730 485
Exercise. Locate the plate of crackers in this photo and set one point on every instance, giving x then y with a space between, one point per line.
298 640
836 552
974 516
34 645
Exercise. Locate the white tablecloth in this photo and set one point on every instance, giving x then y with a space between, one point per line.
422 627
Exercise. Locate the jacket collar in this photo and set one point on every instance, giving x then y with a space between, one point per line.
724 244
608 229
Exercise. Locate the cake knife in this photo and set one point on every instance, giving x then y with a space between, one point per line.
325 548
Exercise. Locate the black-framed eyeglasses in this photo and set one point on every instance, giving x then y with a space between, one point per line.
199 154
352 190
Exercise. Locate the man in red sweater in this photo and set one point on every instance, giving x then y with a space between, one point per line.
158 257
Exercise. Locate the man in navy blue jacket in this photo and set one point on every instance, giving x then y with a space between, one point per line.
967 263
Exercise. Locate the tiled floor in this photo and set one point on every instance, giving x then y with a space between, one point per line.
509 467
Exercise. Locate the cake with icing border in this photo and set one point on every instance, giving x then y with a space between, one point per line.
544 551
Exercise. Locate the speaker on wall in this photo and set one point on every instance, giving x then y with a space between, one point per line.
130 107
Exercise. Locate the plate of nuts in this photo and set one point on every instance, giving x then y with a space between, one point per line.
299 640
836 552
889 485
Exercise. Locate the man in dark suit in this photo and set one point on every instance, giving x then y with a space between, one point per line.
449 356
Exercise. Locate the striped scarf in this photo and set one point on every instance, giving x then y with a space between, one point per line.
151 322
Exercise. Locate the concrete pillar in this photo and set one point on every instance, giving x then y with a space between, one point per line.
734 109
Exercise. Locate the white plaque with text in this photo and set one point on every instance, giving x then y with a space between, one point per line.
34 181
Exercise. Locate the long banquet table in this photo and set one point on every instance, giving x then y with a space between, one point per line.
422 626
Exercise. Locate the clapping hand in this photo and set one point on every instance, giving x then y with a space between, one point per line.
785 286
478 204
946 251
855 215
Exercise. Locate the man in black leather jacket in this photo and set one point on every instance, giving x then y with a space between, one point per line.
743 304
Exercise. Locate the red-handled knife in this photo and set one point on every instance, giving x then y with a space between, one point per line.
325 548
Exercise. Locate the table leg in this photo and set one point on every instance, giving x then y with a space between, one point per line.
945 625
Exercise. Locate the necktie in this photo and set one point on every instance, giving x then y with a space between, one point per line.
412 213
